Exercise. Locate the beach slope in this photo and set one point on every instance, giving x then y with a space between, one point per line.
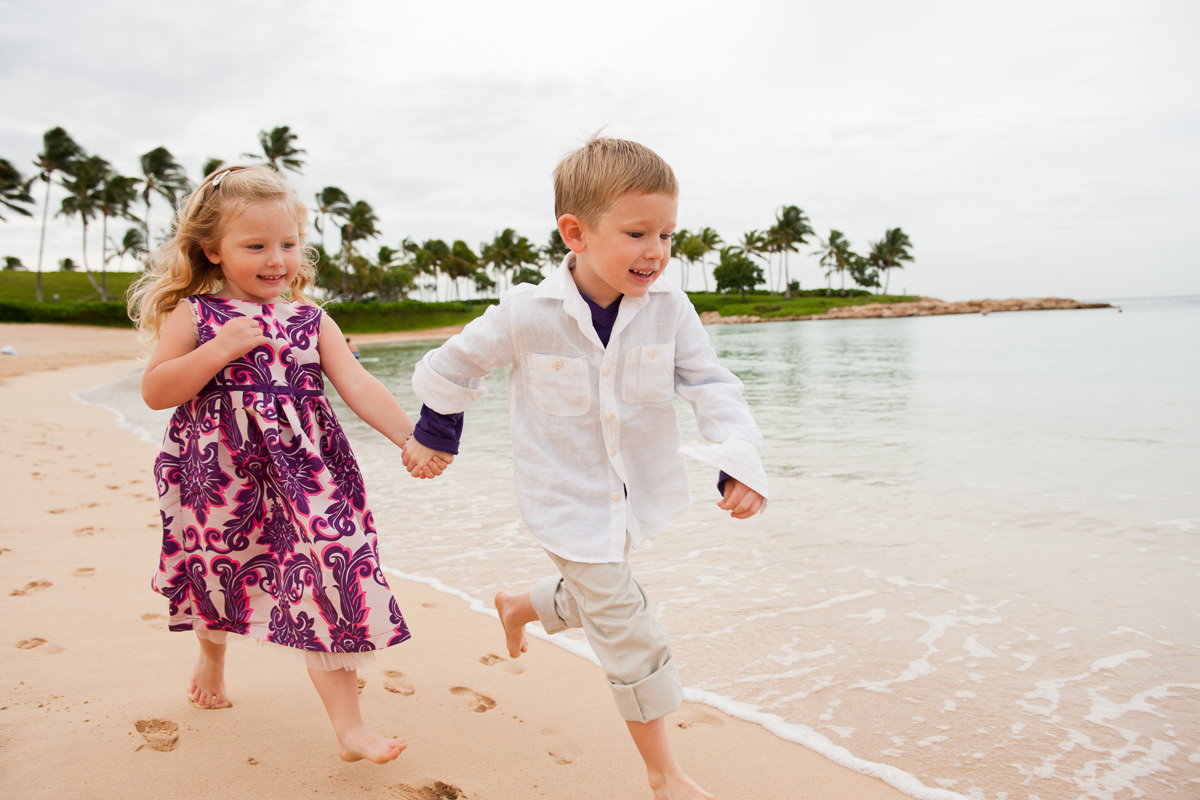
93 698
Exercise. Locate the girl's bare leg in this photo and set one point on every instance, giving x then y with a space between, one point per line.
206 689
338 689
516 611
667 778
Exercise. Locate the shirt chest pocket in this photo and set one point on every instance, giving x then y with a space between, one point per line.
648 374
559 385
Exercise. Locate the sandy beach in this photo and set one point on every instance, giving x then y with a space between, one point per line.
93 701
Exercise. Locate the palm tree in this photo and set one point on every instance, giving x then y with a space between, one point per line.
754 244
555 250
277 149
890 251
710 241
132 243
163 176
211 165
330 201
14 189
116 197
836 256
791 229
359 225
508 253
59 150
461 262
684 246
84 183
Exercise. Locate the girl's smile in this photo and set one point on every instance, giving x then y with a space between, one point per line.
259 253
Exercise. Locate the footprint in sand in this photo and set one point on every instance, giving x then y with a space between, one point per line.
37 641
84 572
558 748
5 550
431 791
87 530
397 683
475 701
160 734
362 684
697 717
31 588
156 621
491 660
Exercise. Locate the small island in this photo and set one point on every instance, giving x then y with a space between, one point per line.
923 307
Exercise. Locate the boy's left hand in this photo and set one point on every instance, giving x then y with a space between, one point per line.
740 500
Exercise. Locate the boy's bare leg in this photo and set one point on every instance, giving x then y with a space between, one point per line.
516 611
206 688
667 779
338 689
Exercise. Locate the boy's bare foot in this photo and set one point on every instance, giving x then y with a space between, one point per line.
362 742
513 617
679 787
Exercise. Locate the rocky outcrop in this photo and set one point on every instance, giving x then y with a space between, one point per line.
925 307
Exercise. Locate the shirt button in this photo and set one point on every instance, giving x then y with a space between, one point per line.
616 497
610 416
653 352
557 364
607 369
613 452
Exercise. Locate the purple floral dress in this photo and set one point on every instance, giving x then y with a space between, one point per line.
266 530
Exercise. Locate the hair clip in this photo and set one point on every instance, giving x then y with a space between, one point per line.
217 180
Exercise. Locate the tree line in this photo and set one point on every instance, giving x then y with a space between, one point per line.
94 189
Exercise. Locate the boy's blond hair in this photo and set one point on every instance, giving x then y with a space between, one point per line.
588 181
179 267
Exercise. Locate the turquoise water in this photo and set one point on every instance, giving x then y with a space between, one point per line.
977 574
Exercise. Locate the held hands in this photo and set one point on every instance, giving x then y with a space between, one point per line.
239 336
424 462
740 501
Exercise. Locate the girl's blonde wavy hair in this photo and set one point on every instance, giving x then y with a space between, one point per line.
179 268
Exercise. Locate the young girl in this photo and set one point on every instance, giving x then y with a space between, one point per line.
266 530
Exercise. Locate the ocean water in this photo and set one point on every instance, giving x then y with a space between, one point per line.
978 572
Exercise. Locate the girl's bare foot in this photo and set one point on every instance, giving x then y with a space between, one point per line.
362 742
206 687
515 612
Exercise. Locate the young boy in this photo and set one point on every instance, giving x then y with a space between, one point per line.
598 350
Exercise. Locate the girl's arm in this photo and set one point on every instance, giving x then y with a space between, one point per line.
179 367
362 391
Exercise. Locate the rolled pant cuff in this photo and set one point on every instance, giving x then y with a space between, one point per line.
541 597
652 697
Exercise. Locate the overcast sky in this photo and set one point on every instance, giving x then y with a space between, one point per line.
1027 148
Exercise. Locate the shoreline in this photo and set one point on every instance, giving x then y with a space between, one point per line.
925 307
94 685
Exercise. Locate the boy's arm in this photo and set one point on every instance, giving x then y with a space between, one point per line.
449 379
722 415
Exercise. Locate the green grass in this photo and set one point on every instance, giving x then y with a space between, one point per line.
774 306
71 287
77 302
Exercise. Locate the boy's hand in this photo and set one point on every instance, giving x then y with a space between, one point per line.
740 500
424 462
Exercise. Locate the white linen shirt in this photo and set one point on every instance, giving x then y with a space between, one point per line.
596 448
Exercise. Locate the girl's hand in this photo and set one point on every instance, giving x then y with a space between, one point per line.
422 461
740 500
239 336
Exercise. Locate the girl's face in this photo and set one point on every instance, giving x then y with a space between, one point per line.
259 253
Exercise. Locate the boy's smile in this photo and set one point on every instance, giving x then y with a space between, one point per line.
626 250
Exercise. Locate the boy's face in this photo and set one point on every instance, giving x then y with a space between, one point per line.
625 250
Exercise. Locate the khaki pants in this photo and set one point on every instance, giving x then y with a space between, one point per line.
628 639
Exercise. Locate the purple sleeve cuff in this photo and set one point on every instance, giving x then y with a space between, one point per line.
440 432
721 479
